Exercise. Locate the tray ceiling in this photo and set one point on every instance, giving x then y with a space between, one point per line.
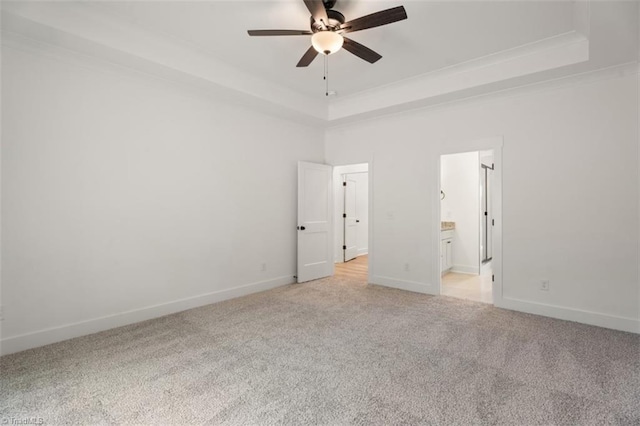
436 35
444 51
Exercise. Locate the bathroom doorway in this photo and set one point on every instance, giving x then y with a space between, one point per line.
466 232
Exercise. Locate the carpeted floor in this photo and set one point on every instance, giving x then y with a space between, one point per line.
332 352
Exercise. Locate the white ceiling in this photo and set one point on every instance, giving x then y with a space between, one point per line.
444 51
435 35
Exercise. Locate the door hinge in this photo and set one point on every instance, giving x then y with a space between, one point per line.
344 183
344 247
493 222
493 166
344 215
493 278
486 214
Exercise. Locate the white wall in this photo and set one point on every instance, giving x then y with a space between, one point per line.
570 157
124 199
460 181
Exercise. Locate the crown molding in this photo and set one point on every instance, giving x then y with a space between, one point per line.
83 33
74 27
499 93
560 51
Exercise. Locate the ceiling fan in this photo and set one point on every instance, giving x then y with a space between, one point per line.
328 27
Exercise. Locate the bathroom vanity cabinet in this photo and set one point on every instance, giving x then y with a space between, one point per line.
446 250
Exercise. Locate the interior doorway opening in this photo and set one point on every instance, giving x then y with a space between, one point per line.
467 221
351 195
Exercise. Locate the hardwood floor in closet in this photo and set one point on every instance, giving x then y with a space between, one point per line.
355 269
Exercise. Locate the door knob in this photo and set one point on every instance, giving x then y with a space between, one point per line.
301 228
357 220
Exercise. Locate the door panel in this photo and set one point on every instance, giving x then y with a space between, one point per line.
350 221
483 216
489 230
314 221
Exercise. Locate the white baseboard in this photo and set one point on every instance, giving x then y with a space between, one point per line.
57 334
465 269
631 325
414 286
363 251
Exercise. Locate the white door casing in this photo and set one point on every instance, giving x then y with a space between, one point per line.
489 189
491 143
486 212
350 219
315 214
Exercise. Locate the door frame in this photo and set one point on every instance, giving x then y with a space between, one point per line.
338 191
486 197
356 167
349 222
446 148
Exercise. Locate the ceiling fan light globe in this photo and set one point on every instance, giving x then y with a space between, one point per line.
327 42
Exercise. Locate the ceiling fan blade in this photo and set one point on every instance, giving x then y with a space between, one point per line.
308 57
319 13
377 19
278 32
360 51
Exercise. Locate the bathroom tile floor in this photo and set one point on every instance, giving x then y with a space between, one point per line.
466 286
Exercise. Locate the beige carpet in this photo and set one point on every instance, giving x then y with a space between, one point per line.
332 352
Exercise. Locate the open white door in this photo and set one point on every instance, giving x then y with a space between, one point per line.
315 213
350 246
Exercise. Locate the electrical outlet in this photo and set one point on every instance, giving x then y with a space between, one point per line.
407 267
544 285
263 266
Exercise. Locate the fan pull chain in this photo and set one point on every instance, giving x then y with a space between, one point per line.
326 75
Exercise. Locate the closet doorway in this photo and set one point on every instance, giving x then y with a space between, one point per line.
351 195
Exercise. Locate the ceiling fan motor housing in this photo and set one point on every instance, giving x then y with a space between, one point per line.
328 28
335 20
328 4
